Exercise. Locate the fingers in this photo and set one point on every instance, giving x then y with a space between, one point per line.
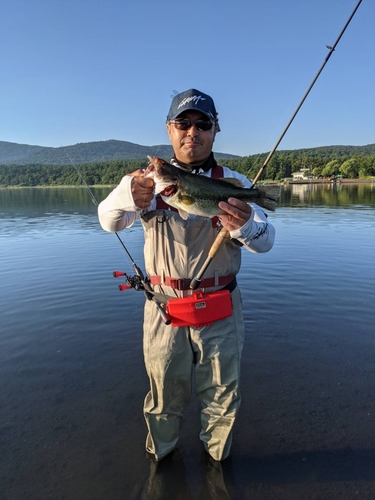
138 172
142 189
238 213
236 208
144 182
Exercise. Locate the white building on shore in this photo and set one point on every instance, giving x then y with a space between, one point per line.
303 174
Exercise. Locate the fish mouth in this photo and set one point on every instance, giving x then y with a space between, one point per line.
169 190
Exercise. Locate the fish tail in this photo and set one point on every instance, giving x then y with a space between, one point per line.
268 197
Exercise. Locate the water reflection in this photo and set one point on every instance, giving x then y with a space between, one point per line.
167 479
48 210
218 479
72 378
49 202
332 195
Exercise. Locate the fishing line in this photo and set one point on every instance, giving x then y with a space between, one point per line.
139 282
96 203
331 50
224 233
159 146
339 24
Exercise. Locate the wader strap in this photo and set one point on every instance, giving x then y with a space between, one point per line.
217 172
227 282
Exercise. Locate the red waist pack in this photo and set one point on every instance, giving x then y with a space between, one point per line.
200 309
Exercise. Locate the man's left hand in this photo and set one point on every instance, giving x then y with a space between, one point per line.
238 213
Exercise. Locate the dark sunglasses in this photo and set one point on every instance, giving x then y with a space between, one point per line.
185 124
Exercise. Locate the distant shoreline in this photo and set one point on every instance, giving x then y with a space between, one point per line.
334 181
60 186
285 183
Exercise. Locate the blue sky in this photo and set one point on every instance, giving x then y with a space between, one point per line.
90 70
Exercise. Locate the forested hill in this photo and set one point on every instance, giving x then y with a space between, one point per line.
325 161
106 162
88 152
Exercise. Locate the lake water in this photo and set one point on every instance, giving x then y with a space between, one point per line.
71 365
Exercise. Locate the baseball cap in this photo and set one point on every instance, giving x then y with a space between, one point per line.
196 100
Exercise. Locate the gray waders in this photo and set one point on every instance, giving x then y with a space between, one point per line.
177 248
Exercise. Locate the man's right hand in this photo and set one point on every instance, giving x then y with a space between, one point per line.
142 189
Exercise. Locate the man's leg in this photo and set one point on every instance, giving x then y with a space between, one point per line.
218 351
168 360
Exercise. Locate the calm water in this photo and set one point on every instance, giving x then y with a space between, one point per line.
72 375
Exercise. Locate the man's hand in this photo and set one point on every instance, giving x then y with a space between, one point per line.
238 213
142 189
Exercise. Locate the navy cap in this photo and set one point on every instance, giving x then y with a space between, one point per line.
193 100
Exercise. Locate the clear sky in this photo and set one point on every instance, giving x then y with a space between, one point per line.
91 70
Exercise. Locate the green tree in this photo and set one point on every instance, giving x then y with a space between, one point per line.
317 171
331 168
350 168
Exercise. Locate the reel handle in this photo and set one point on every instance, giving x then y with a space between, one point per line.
123 287
117 274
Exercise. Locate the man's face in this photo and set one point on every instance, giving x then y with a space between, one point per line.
192 146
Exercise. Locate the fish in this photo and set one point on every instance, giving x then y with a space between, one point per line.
199 195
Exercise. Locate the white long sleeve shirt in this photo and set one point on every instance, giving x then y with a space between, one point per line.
118 212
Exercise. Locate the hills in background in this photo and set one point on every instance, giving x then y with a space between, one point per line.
105 162
88 152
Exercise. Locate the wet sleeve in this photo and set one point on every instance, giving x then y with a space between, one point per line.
257 235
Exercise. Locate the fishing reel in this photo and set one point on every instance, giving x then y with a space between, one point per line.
131 282
140 283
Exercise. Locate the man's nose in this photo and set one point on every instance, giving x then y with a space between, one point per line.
193 130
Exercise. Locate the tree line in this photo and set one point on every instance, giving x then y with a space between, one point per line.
349 161
320 162
93 174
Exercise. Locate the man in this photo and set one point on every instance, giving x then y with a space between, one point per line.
175 251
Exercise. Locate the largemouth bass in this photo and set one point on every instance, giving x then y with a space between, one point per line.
200 195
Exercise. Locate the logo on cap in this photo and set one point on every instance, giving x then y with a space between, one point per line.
187 100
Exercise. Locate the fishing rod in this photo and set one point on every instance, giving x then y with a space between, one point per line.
139 282
224 233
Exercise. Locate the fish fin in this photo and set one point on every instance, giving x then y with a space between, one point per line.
186 200
233 181
184 215
268 196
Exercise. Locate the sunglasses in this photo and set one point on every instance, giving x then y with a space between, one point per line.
185 124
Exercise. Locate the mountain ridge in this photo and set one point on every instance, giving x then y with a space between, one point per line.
12 153
84 152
